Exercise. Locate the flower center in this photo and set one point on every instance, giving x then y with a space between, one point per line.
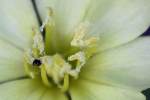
57 69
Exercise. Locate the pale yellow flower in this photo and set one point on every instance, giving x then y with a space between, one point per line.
91 49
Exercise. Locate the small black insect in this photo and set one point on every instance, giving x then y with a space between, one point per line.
36 62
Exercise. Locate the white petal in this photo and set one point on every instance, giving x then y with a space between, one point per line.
118 21
16 21
11 62
18 90
126 66
84 90
28 89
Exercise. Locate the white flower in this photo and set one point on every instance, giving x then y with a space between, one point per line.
91 50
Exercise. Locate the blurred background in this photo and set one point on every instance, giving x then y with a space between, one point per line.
147 92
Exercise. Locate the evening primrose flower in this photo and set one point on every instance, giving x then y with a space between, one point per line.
84 49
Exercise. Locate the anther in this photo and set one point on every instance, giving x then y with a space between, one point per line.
38 44
79 35
81 60
47 19
80 40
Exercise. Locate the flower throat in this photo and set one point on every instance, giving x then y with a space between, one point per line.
57 69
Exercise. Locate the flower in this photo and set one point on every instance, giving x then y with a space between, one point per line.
91 49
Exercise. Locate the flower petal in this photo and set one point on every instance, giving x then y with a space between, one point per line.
28 89
118 21
11 62
126 66
16 21
84 90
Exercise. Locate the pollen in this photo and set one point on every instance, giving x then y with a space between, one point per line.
81 60
80 40
48 19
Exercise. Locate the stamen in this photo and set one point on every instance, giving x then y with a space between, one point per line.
80 56
48 19
81 60
79 35
38 44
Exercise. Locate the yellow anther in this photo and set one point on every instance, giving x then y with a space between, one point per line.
79 34
48 19
81 60
80 39
38 45
79 56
